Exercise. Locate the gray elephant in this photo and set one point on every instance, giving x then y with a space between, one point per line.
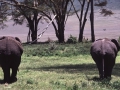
10 57
104 52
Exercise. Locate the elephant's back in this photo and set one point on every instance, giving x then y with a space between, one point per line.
96 46
103 47
110 48
9 45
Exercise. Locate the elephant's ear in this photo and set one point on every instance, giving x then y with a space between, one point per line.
18 39
116 43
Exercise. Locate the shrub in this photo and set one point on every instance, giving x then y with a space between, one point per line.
116 85
55 49
72 39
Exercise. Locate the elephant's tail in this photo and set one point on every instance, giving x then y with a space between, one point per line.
103 66
103 61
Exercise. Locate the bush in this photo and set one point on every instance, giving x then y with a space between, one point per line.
55 49
72 39
116 85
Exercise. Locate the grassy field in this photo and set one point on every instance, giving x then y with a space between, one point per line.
60 67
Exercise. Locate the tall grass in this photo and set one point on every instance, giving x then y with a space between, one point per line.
60 67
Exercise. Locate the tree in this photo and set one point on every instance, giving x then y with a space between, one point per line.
27 10
59 8
3 14
92 21
33 16
52 7
82 16
104 11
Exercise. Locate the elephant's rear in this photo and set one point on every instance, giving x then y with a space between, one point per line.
102 48
10 57
96 50
10 46
10 51
104 53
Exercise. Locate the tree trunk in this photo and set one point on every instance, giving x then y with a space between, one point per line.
34 36
81 31
28 36
33 25
33 31
83 24
61 33
92 21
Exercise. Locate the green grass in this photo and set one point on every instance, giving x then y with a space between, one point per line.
60 67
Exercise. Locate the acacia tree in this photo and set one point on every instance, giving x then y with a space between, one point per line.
33 16
27 10
101 4
61 10
3 14
82 16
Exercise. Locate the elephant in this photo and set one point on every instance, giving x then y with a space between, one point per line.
11 50
104 52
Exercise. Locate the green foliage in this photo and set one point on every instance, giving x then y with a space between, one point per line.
75 86
116 85
29 81
3 14
54 49
19 15
72 39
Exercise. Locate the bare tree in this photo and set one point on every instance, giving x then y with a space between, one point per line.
82 17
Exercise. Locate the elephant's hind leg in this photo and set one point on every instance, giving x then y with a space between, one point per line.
99 64
109 66
6 71
13 77
15 69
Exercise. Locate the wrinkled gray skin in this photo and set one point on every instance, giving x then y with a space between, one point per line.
104 52
10 57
